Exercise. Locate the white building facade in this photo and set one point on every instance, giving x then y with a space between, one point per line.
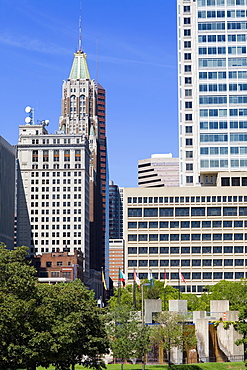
53 192
212 79
200 231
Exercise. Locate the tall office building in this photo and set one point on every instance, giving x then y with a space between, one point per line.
158 171
7 193
53 192
212 79
83 112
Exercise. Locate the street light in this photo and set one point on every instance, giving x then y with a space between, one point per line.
143 325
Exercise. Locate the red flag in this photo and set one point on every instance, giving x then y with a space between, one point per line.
182 277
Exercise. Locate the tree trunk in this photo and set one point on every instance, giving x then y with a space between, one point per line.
122 364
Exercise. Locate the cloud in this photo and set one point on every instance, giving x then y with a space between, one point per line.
33 45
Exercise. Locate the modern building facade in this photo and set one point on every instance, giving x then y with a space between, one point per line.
7 192
115 212
201 231
212 60
53 192
158 171
84 112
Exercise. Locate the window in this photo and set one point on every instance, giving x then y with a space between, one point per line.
142 225
143 250
198 211
217 275
185 237
163 224
187 68
185 250
185 224
182 212
238 249
153 237
185 263
164 250
150 212
132 237
217 236
206 249
195 224
196 275
143 263
228 275
196 250
206 224
153 263
166 212
134 212
174 250
207 263
132 250
189 179
230 211
174 263
132 263
142 237
217 262
196 263
153 250
207 275
174 224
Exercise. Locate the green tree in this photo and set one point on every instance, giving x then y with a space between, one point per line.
234 291
45 324
128 338
170 333
17 308
70 327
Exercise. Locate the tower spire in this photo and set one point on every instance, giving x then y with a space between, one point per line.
80 32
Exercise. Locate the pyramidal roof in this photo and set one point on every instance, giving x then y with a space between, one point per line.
79 69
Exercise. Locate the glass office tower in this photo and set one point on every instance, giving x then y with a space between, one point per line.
212 89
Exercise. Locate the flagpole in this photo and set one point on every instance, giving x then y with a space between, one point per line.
179 284
119 287
164 289
134 292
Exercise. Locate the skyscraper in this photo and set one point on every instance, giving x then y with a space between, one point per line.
212 79
83 112
7 192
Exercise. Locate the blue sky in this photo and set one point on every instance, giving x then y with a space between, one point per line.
137 67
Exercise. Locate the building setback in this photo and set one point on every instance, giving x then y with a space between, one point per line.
212 87
201 231
7 193
158 171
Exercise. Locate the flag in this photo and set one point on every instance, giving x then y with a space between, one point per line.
122 277
136 279
165 279
103 280
150 278
182 277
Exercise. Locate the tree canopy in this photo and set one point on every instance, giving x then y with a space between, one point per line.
44 324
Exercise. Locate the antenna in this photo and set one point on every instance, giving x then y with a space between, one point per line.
80 31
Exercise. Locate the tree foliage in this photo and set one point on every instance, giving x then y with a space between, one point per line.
45 324
171 332
128 338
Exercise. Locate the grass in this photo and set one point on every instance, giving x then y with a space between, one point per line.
205 366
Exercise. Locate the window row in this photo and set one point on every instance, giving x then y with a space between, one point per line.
56 155
192 276
187 263
193 199
185 224
221 2
222 14
223 163
222 75
186 250
222 50
185 237
223 87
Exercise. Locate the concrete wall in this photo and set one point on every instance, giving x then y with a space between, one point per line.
151 306
202 339
178 305
226 341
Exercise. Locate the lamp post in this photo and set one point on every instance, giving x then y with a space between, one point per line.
143 325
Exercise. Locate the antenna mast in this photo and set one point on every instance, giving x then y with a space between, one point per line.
80 31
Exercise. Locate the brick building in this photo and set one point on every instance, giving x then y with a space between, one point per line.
59 266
